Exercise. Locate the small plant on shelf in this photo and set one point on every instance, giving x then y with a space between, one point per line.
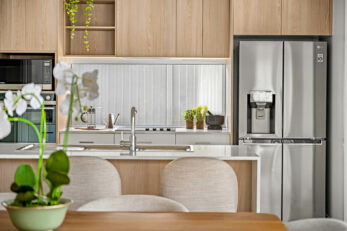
200 114
71 9
189 116
46 211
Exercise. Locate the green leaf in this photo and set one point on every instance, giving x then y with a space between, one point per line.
25 196
57 179
18 189
25 176
58 162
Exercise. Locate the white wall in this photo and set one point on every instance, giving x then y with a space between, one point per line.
336 114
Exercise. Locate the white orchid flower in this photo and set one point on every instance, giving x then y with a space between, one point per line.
63 73
64 106
9 102
13 103
32 92
5 125
89 81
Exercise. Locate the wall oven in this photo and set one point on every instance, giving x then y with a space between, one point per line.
23 133
17 70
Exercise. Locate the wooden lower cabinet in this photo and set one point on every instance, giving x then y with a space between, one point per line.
143 177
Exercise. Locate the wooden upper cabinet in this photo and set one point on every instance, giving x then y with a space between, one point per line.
12 25
41 25
216 28
146 28
257 17
189 28
307 17
28 25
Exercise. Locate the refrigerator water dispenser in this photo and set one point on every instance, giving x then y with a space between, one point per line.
260 112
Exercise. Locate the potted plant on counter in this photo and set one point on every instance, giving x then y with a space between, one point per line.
200 114
32 208
189 118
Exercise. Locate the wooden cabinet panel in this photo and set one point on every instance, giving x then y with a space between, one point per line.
216 23
257 17
203 139
41 25
189 28
146 28
12 24
306 17
28 25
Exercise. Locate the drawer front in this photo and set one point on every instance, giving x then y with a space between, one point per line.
203 139
89 138
148 138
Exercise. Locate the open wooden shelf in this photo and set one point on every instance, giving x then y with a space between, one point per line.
101 30
92 27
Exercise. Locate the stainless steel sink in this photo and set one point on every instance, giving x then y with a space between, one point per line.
108 148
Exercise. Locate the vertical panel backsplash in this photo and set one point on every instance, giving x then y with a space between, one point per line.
161 93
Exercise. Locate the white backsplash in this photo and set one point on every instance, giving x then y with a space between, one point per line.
161 93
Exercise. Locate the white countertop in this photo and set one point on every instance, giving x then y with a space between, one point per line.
223 152
140 130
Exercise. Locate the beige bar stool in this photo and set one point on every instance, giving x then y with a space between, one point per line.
134 203
91 178
201 184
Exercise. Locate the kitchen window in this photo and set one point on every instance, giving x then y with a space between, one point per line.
160 92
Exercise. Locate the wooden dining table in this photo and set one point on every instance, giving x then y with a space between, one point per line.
116 221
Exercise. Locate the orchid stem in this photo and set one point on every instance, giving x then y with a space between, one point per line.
66 137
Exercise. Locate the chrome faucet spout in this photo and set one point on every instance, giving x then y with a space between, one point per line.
132 136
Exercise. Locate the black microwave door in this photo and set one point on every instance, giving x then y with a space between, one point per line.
12 71
40 72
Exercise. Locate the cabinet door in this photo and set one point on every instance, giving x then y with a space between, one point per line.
88 138
257 17
306 17
189 28
216 28
146 28
12 25
41 25
203 138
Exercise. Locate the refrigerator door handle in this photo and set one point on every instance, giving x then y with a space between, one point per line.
303 141
260 141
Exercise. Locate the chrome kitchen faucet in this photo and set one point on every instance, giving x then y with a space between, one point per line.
132 139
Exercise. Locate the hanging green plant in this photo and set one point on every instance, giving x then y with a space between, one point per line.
71 9
88 14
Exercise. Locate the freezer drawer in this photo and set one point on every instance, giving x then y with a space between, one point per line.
303 181
271 176
304 89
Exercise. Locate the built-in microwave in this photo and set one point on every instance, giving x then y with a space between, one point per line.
18 71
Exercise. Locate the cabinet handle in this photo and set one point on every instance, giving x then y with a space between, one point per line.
145 142
86 142
202 143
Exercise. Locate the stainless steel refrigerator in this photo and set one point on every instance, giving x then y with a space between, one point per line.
282 117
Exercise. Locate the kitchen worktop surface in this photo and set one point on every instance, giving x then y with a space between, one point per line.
223 152
102 130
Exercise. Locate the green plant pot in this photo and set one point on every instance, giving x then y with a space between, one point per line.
42 218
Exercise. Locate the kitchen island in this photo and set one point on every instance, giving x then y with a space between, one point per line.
140 174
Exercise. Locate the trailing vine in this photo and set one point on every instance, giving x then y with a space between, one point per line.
88 14
71 9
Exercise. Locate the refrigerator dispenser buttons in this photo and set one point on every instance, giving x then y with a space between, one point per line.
320 58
